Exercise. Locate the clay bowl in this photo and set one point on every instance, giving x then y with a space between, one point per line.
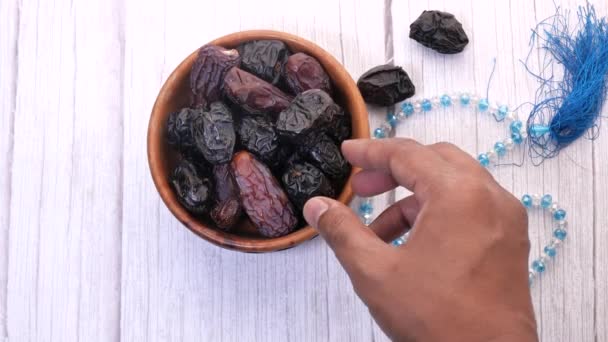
175 95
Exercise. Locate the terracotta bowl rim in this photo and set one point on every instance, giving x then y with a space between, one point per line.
154 142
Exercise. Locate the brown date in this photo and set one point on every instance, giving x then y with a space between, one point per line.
227 209
253 94
208 71
303 72
262 197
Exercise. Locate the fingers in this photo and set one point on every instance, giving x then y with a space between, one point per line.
372 182
350 240
410 164
396 219
453 154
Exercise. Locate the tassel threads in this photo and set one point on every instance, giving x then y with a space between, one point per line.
576 100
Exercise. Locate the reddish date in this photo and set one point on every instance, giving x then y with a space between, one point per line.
227 209
303 72
253 94
208 72
262 197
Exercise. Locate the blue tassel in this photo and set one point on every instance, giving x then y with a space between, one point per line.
576 100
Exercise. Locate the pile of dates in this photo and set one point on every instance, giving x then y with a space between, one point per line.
261 136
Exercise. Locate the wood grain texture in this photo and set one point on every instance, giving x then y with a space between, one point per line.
64 251
9 16
89 252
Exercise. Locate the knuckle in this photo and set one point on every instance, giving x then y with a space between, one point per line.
332 222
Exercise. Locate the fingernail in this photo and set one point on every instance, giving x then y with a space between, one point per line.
313 209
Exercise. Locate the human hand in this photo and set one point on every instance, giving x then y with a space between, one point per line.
462 275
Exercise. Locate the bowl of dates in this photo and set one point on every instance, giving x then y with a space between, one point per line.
247 129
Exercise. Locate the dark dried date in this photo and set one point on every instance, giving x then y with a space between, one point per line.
264 58
303 181
214 134
440 31
310 111
207 74
385 85
192 189
303 72
253 94
179 128
322 152
262 197
227 209
258 136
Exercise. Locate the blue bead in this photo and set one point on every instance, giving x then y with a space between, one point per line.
516 137
483 160
538 130
465 99
365 208
391 119
550 251
426 105
559 214
500 149
483 105
446 101
397 242
379 133
538 266
407 108
502 112
526 200
546 201
516 126
560 234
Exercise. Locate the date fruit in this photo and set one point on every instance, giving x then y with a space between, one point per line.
322 152
179 128
253 94
207 74
192 189
303 181
340 127
227 209
310 111
214 134
262 197
264 58
258 136
439 31
303 72
385 85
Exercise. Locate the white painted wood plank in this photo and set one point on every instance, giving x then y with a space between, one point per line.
9 16
64 252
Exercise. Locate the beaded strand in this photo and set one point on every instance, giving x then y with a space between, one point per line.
516 136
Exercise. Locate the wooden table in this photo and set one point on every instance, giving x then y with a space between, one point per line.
89 252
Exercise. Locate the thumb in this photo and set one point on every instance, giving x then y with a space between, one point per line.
350 239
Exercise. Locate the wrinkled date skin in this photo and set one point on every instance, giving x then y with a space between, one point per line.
227 209
264 58
303 72
322 152
179 128
310 111
340 127
258 136
253 94
439 31
207 74
385 85
262 197
192 189
214 134
303 181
